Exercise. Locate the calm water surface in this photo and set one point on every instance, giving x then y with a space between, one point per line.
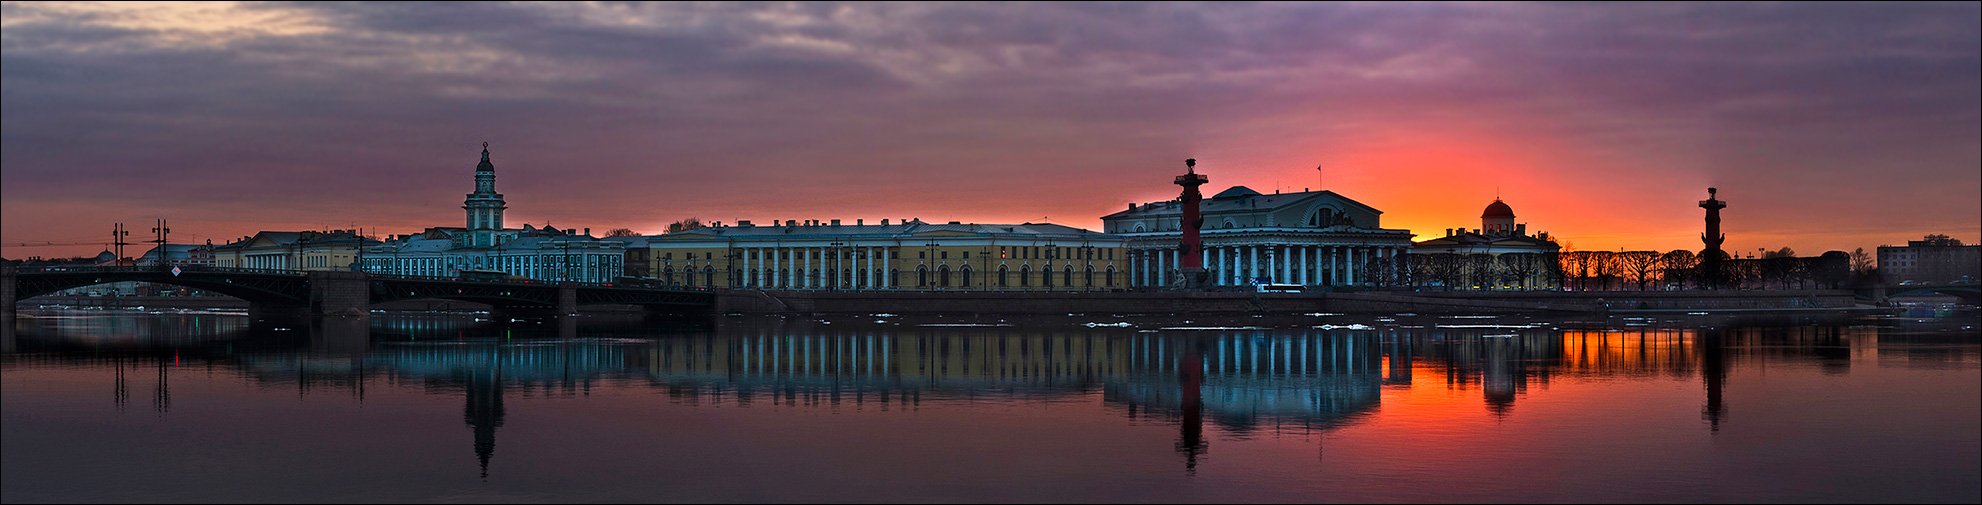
122 406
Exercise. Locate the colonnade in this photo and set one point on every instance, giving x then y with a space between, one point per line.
809 267
1283 264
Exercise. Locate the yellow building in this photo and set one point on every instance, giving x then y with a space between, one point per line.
913 255
293 250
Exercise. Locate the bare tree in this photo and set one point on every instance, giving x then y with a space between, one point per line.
1520 269
1678 266
622 232
1640 267
1480 270
684 225
1577 264
1446 268
1784 252
1861 262
1606 266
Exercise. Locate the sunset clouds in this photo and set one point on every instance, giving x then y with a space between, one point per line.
1826 126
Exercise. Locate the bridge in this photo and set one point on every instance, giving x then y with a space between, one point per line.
291 292
1968 293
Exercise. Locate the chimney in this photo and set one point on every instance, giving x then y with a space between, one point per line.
860 222
588 232
884 221
1521 229
744 223
1448 232
836 222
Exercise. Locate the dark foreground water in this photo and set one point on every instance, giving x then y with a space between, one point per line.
1316 408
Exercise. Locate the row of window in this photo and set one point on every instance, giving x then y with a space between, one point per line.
942 276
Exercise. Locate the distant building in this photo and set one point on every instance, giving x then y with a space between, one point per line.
484 244
1315 238
293 250
910 255
1513 258
179 254
1937 259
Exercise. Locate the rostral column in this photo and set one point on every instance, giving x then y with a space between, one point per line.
1191 261
1710 257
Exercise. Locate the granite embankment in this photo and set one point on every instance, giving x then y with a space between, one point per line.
992 302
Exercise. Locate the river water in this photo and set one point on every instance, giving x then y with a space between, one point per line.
210 406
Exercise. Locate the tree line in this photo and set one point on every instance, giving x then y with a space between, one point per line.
1616 271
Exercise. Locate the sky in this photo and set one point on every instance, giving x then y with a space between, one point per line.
1826 126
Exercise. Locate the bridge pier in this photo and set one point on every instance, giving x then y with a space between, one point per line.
340 294
567 299
9 282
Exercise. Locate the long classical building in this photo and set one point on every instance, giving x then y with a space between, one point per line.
909 255
484 244
1315 238
293 250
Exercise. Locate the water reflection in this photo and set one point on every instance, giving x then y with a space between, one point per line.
1240 383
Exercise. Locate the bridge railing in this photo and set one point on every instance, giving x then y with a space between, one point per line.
157 268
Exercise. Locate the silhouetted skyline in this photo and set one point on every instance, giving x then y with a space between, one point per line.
1829 126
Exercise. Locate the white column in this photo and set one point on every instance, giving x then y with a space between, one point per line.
1351 271
887 268
1303 265
1333 276
1252 263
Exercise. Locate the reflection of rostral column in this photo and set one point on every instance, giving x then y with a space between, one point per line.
1710 257
1713 372
1191 261
1191 442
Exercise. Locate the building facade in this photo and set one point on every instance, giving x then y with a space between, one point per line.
1313 238
911 255
1936 260
1500 254
294 250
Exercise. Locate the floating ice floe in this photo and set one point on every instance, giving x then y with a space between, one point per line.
884 315
1118 325
962 324
1469 317
1509 335
1201 328
1696 313
1349 327
1320 314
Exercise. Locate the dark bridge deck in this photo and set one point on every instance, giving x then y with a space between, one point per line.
331 292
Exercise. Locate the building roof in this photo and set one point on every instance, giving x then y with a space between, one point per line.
1469 239
893 230
1237 199
1497 209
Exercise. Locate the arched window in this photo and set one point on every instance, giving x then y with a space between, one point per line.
1001 276
1138 227
965 271
1090 276
667 275
1067 277
1025 275
943 276
1046 277
894 278
709 276
1109 276
922 276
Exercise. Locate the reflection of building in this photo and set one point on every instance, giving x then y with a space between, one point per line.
484 244
1311 237
906 255
1507 256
